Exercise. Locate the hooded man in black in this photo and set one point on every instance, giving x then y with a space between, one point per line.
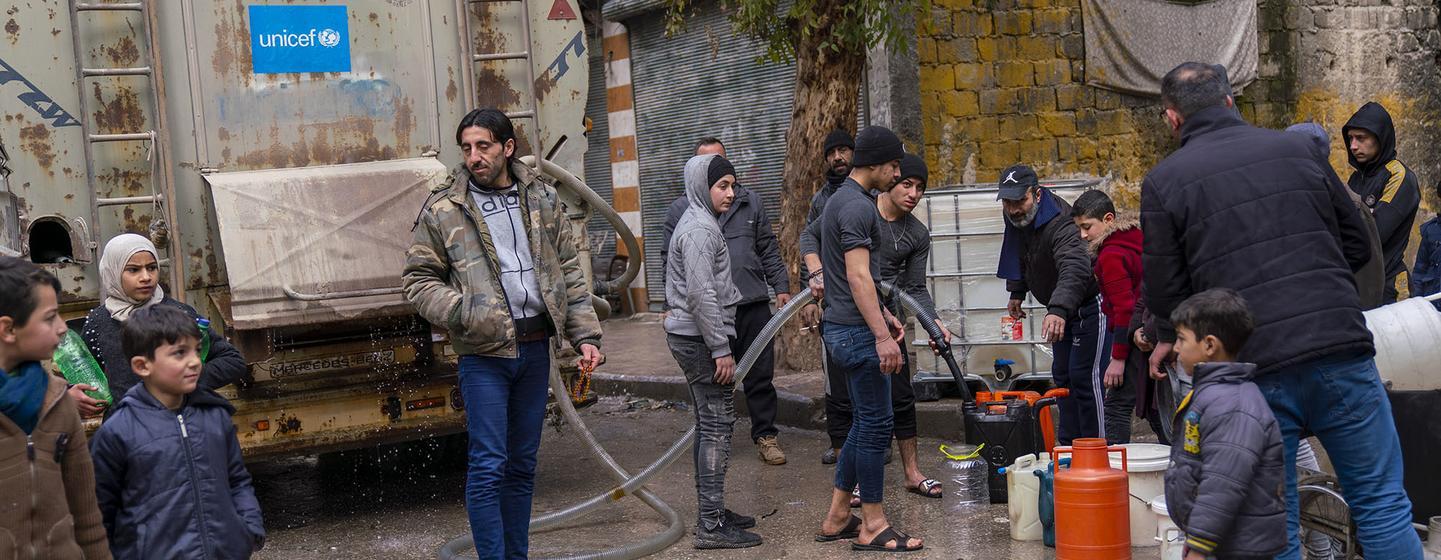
1387 186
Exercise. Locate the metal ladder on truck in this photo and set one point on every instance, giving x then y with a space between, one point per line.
468 40
162 186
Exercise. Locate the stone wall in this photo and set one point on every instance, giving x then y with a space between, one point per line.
1003 81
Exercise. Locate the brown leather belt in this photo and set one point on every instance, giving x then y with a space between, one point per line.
532 336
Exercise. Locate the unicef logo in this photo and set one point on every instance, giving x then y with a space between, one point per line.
329 38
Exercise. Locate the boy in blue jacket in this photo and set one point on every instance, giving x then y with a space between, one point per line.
1426 278
169 476
1224 484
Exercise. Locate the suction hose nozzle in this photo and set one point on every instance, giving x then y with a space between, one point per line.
927 321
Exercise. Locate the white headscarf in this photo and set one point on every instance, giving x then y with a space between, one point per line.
112 264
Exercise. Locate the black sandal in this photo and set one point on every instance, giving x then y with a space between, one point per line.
926 487
850 531
890 534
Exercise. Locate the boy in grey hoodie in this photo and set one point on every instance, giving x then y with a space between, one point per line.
1224 484
702 300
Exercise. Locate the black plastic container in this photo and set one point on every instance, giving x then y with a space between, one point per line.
1418 414
1009 430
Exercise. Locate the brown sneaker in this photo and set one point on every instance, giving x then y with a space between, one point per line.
771 451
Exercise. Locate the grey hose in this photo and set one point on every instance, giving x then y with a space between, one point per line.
575 185
634 485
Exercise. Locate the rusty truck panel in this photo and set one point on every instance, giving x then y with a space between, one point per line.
271 193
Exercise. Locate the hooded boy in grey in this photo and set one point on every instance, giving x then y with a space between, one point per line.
699 291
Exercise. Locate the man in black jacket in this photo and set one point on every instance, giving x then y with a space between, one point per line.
757 268
1388 188
1256 211
1042 253
839 148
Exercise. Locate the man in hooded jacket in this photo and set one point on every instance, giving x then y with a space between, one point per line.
1387 186
702 300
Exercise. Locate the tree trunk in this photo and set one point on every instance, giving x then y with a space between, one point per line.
827 86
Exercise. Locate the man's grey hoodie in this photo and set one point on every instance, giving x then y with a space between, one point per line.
699 291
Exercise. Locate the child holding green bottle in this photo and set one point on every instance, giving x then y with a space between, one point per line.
129 281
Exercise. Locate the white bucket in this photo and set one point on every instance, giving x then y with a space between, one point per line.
1023 496
1406 350
1146 470
1168 535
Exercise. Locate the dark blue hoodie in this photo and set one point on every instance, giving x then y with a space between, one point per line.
171 483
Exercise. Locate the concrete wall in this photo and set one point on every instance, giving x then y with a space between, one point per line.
1003 81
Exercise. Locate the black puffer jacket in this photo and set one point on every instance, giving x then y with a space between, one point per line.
1256 211
172 484
1390 190
1224 486
1055 264
223 366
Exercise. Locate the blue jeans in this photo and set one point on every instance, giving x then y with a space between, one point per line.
1342 401
863 457
504 413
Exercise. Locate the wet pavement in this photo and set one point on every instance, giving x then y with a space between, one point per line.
405 502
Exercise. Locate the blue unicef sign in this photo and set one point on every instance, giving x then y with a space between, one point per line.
287 39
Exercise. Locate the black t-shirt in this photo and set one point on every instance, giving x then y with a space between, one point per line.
849 221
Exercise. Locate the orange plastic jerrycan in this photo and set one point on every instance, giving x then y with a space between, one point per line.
1092 513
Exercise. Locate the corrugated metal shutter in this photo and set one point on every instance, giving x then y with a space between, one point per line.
597 155
705 82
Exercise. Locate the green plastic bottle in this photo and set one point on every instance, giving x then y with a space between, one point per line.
78 366
204 325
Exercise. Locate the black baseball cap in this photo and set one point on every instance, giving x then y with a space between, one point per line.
1015 181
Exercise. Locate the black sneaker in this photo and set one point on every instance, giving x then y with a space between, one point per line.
725 536
738 521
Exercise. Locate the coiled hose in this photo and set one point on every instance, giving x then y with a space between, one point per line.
635 485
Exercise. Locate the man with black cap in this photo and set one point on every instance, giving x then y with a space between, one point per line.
1388 188
899 256
862 337
757 269
1042 253
839 149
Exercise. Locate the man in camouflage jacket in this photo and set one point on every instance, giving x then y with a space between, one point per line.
495 263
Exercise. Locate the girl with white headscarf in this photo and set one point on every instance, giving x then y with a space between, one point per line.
129 281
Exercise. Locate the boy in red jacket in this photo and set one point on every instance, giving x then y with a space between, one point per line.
1115 244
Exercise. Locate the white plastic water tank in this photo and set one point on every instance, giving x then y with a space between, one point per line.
1407 350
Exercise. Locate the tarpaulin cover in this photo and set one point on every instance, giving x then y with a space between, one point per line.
300 244
1132 44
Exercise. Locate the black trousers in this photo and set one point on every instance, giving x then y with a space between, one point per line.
1077 365
838 402
759 385
1121 401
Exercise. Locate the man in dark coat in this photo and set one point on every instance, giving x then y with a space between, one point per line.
1042 254
1387 186
757 269
1256 211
